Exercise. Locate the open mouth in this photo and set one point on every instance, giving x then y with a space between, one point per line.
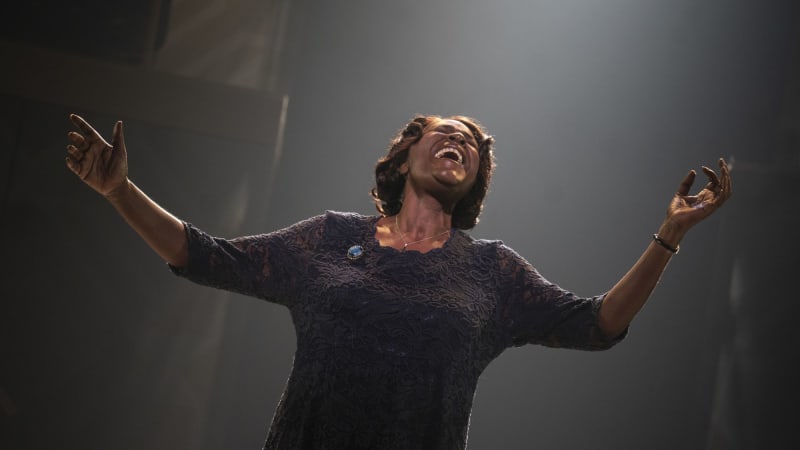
451 154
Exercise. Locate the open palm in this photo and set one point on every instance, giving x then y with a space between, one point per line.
103 166
687 210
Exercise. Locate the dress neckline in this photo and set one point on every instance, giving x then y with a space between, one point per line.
372 229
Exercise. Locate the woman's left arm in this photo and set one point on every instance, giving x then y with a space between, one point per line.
627 297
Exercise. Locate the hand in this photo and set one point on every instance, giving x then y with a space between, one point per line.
687 210
103 166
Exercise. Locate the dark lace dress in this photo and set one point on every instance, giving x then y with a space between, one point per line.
389 344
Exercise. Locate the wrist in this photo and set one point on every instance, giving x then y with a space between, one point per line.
670 248
119 193
669 235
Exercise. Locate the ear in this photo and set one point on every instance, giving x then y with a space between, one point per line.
403 170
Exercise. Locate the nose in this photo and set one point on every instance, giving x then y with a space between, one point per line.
458 138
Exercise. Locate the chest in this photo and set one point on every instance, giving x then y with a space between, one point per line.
390 298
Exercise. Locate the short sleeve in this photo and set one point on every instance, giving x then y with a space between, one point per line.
267 266
537 311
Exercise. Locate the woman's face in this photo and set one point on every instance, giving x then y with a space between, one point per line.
444 162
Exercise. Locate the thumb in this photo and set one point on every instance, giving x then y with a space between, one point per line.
118 138
686 183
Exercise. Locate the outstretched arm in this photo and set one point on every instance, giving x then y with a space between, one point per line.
104 167
628 296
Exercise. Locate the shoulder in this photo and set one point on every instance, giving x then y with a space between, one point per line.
346 224
483 246
328 219
346 217
503 257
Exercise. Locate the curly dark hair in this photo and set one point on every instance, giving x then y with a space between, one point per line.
389 182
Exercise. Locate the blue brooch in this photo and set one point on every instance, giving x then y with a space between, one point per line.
355 252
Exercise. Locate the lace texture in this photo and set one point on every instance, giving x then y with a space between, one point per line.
390 345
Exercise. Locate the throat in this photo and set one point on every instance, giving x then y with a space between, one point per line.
389 233
407 242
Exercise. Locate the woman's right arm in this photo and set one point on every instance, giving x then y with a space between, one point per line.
104 167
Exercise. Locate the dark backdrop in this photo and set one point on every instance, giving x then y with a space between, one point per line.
599 108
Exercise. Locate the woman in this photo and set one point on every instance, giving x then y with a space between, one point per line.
396 314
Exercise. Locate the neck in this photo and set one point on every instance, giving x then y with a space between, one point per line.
424 213
418 220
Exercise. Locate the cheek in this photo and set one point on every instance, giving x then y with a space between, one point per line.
476 166
415 155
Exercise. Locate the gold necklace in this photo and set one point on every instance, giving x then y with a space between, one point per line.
406 243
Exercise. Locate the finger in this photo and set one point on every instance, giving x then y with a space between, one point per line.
76 139
686 184
84 126
727 187
73 165
118 137
74 153
712 176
